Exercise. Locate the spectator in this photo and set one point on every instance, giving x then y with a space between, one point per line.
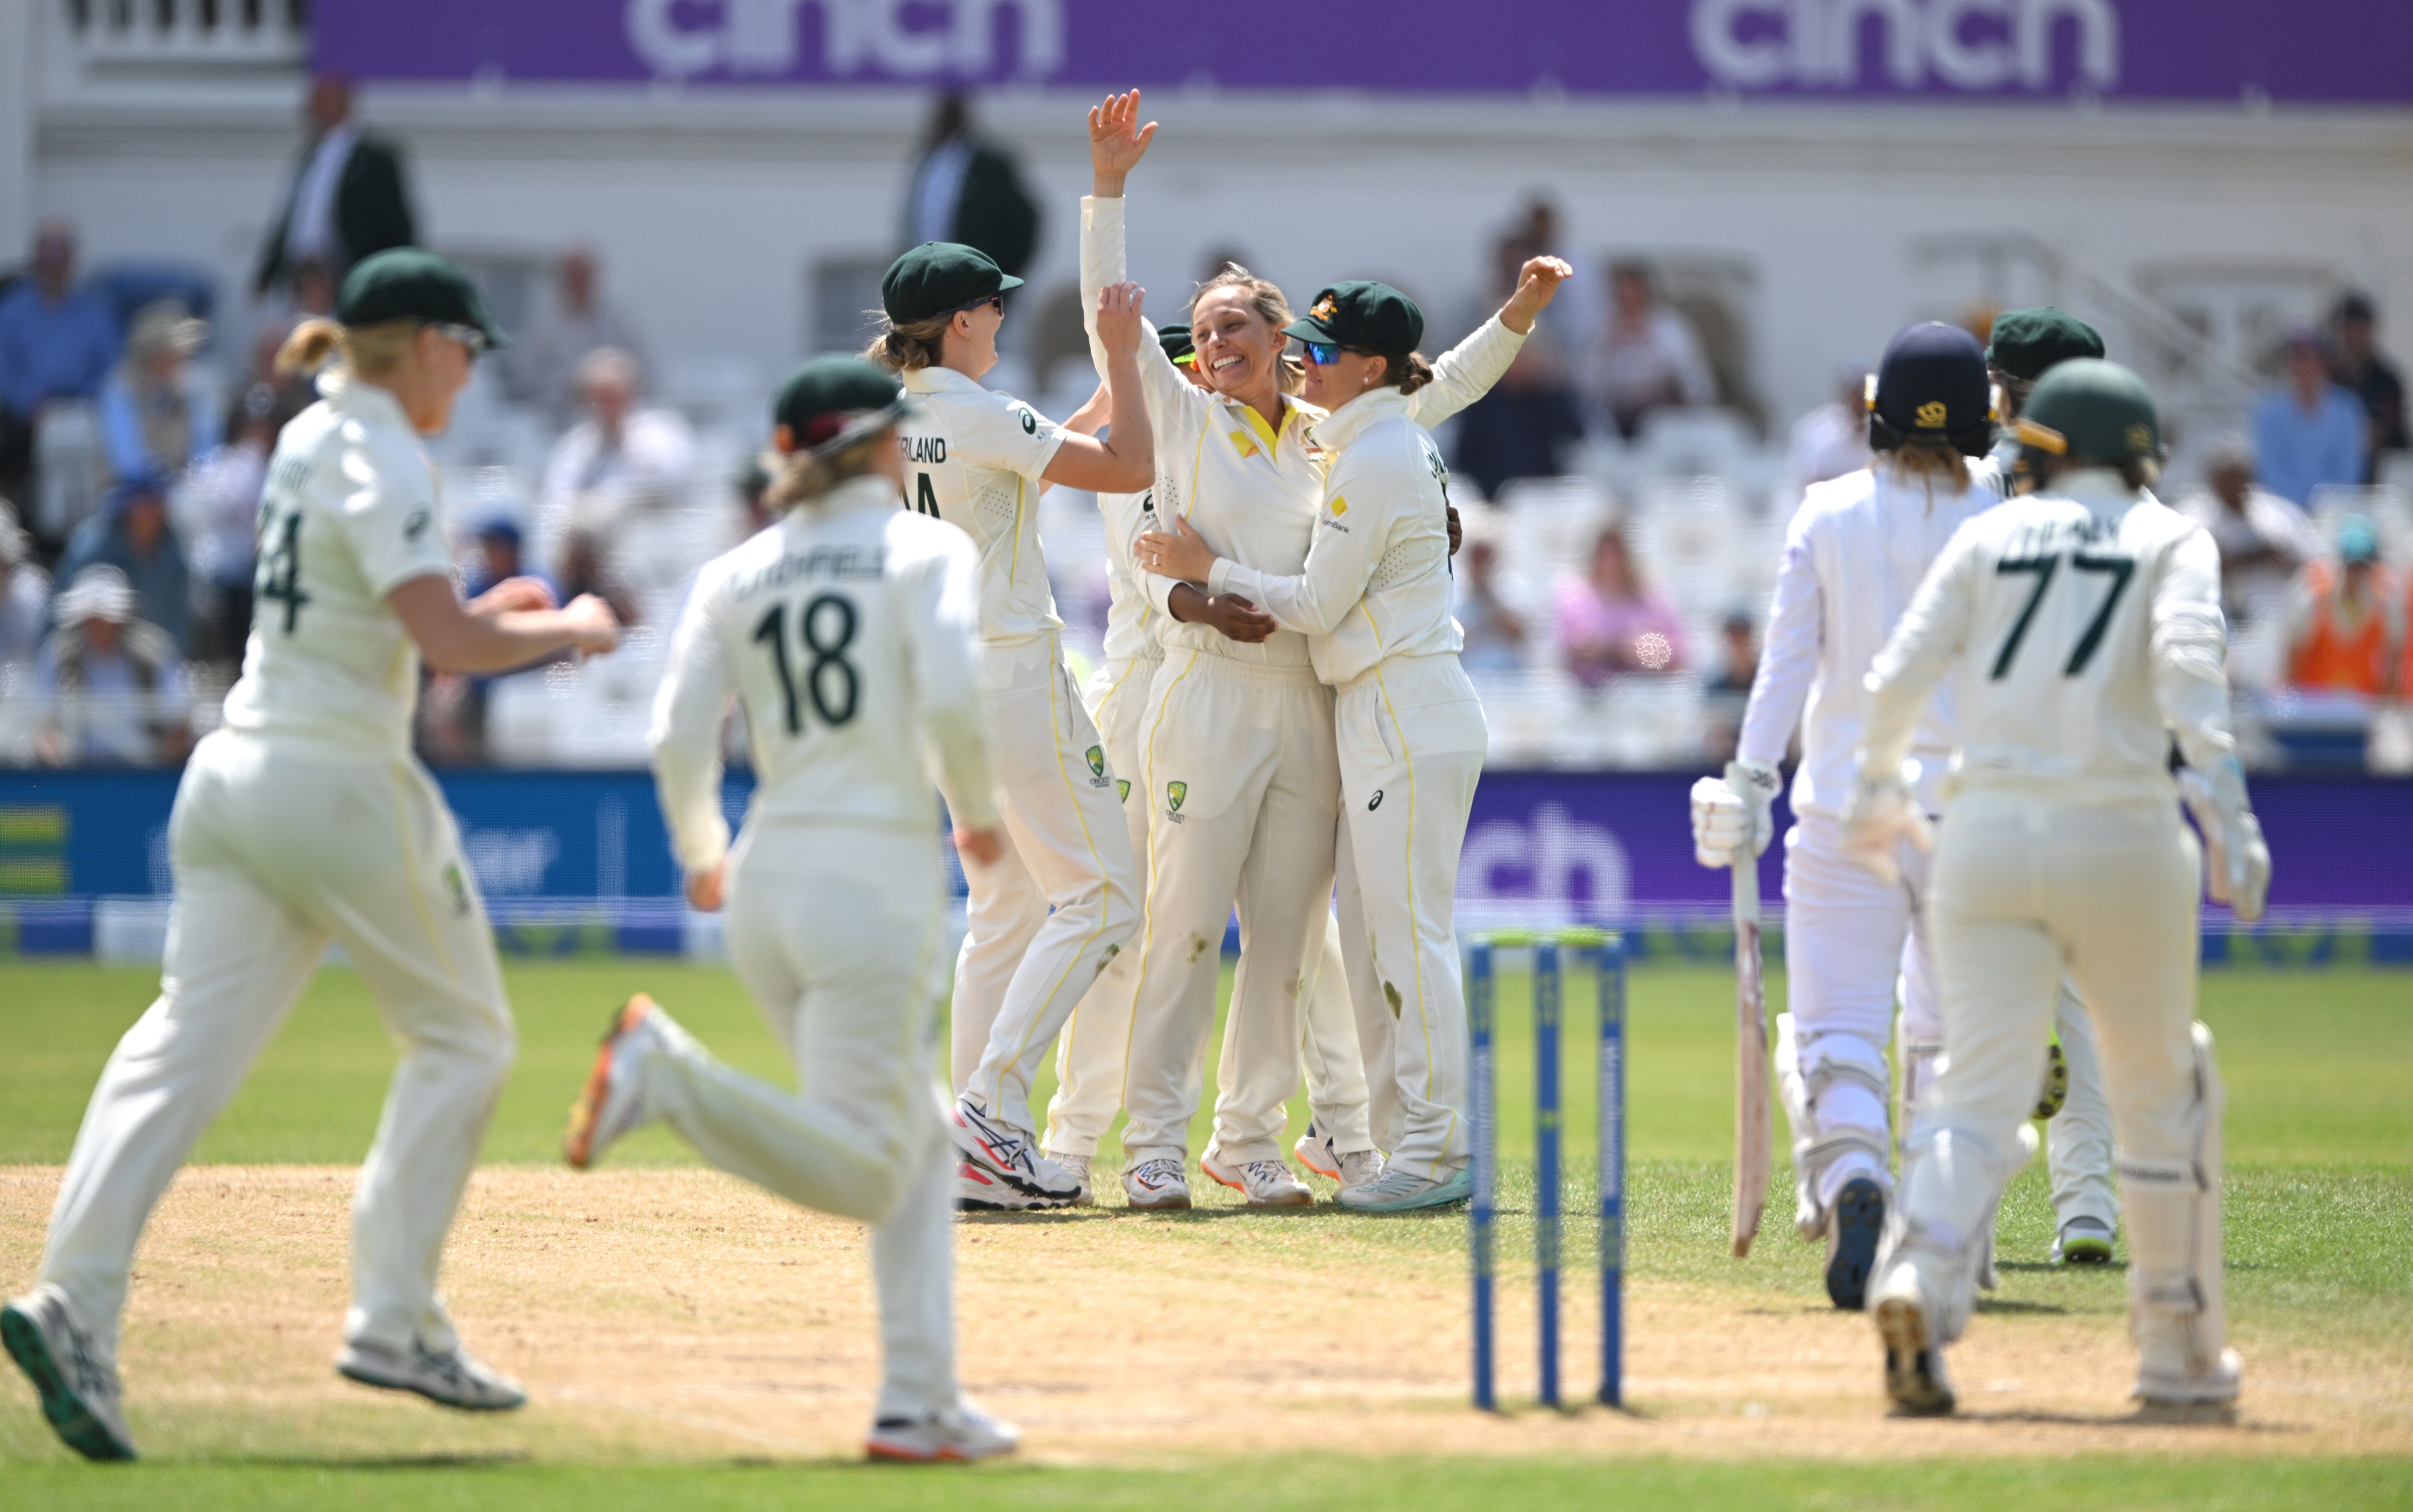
753 487
2369 378
2307 431
153 420
1647 357
1729 695
620 477
2346 627
346 200
1610 623
1495 634
1832 439
57 341
967 191
134 536
215 511
542 365
2264 540
24 592
115 681
1528 423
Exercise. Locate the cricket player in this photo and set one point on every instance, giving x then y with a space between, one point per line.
1050 913
845 630
303 820
1241 771
2081 630
1374 602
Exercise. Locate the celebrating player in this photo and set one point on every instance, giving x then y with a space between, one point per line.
845 629
306 819
1241 772
975 459
2081 627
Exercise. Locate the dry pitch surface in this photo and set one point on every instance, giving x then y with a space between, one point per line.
678 1313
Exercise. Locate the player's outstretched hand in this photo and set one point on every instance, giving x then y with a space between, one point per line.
706 890
1116 142
1121 325
514 594
1180 552
594 629
1537 284
983 847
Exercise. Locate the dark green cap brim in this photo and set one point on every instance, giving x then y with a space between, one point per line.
409 282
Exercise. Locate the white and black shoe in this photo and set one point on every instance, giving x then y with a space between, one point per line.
2083 1241
1913 1361
1314 1151
980 1190
1264 1183
1156 1184
454 1378
959 1436
81 1395
1852 1230
1010 1154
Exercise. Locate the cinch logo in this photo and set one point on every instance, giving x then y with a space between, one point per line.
1956 44
892 38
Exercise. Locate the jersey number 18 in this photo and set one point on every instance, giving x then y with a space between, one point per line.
825 629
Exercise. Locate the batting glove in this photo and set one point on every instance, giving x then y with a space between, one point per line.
1732 812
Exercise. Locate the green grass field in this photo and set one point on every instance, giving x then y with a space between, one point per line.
2320 1142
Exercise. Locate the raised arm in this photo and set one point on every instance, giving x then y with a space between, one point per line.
1466 371
1117 143
1123 460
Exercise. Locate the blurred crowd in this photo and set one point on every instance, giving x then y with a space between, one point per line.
1616 563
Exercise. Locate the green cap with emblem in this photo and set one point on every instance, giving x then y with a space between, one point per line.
2026 344
1362 315
939 279
2088 410
831 403
409 282
1174 336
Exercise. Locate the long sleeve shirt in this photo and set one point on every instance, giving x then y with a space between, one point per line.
2081 630
846 631
54 352
2296 451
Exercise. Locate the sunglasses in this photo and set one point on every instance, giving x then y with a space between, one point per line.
995 302
467 335
1322 353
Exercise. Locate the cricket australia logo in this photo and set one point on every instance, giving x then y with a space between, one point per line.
1931 415
1174 793
1097 759
1122 790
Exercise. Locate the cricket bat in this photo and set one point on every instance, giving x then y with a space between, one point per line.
1752 1132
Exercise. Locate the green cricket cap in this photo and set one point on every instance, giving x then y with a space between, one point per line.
2025 344
822 401
938 277
409 282
1362 315
1174 336
2087 410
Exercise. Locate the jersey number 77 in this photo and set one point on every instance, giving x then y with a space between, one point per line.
2117 569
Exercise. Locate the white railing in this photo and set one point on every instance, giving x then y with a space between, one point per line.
177 34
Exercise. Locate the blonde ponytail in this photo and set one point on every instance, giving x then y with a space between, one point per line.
911 346
801 477
370 350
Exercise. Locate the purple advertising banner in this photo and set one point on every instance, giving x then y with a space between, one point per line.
2001 50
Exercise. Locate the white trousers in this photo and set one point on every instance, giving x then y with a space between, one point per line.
1411 740
2026 890
1095 1046
277 847
836 932
1242 788
1061 904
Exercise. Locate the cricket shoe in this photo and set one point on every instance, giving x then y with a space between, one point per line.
2083 1241
980 1190
1077 1168
1913 1362
1852 1234
613 1102
80 1393
2162 1386
1361 1168
1156 1184
1397 1191
454 1378
1010 1154
1314 1151
1264 1183
959 1436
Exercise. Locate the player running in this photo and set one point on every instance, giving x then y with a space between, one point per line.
1374 602
2081 627
304 820
845 631
1241 771
1050 913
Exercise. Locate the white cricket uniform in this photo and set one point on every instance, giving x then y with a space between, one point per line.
1055 911
307 818
2081 630
845 630
1374 601
1241 774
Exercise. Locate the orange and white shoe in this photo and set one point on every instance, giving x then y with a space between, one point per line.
1314 1151
958 1436
1264 1183
613 1102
